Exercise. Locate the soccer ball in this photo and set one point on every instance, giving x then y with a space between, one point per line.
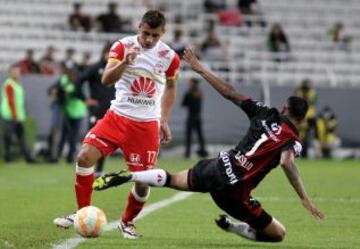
89 221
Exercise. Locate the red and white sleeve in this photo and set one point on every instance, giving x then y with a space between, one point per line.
173 69
117 51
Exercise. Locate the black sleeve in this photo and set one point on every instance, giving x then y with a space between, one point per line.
294 145
252 107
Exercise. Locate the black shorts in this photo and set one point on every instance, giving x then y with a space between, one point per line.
235 200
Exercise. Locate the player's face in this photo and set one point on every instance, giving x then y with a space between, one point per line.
148 37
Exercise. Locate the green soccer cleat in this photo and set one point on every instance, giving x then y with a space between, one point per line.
111 180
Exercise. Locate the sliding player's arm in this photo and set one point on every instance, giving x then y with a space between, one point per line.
224 88
287 163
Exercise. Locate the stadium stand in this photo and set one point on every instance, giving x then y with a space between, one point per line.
39 23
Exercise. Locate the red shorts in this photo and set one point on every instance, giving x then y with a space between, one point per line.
139 140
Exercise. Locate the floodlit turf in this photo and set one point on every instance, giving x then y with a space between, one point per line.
32 196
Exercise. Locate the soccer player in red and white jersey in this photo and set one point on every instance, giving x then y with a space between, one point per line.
271 140
144 71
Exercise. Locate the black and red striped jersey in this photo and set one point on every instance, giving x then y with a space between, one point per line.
259 151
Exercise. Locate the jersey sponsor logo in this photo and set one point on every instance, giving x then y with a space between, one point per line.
242 161
143 87
149 102
228 167
163 53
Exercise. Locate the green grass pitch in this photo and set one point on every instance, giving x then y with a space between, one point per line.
32 196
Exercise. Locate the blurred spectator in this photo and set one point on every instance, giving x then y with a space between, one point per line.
308 92
74 110
56 97
178 44
79 21
337 36
28 65
13 114
212 48
192 101
69 61
85 62
278 43
252 12
213 6
326 139
100 96
111 22
48 65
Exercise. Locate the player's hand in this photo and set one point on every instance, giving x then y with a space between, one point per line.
192 60
132 54
165 132
312 209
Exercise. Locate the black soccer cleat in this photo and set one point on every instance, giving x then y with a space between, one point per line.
111 180
223 222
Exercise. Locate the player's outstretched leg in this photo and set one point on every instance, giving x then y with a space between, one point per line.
155 177
111 180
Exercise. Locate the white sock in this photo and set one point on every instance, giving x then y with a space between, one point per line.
243 229
154 177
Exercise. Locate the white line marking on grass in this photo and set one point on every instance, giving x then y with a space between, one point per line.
73 242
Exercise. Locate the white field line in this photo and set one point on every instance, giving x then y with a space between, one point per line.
76 240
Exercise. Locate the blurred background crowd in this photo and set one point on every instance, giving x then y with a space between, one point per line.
52 53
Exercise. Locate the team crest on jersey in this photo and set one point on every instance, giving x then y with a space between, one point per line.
159 68
144 87
163 53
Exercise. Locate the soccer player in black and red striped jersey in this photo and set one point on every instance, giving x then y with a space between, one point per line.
271 139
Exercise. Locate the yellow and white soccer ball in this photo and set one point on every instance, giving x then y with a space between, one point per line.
90 221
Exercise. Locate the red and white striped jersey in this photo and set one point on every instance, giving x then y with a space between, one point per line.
139 90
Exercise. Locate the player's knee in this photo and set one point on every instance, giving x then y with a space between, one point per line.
84 159
141 190
279 235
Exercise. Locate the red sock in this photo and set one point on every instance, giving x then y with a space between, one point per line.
133 207
83 188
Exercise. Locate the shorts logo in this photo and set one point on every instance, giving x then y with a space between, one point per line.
143 87
92 136
134 158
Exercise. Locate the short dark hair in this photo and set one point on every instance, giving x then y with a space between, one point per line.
154 18
297 107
